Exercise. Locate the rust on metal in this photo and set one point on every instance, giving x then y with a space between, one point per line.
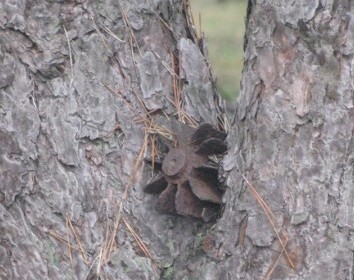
187 184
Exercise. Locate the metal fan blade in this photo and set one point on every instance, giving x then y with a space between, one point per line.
210 212
166 201
165 142
157 163
207 172
210 165
182 132
212 146
188 184
187 204
156 186
204 191
206 131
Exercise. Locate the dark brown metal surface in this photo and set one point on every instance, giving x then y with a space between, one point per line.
188 184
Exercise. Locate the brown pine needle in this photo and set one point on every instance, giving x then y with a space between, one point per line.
176 90
118 93
159 130
153 152
140 101
271 219
168 68
275 263
167 26
140 242
184 114
70 57
116 127
82 251
101 259
63 240
101 36
109 244
128 25
189 11
259 198
111 33
69 244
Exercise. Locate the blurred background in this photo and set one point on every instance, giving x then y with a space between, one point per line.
223 24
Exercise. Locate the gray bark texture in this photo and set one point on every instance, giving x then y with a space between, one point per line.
293 140
84 85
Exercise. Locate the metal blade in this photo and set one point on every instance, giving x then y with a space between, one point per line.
157 162
207 172
212 146
166 201
204 191
206 131
182 132
210 212
187 204
156 186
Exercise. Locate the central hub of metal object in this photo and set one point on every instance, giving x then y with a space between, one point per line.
174 162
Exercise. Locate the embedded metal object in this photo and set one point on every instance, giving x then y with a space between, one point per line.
187 184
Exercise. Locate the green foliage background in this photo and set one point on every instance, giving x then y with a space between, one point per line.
223 24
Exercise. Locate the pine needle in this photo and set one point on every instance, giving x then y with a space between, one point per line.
272 220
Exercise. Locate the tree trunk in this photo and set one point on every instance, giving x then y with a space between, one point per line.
84 86
293 141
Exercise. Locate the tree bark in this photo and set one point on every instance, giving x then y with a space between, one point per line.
293 141
82 85
85 85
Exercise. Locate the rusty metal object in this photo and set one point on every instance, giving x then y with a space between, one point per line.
187 184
